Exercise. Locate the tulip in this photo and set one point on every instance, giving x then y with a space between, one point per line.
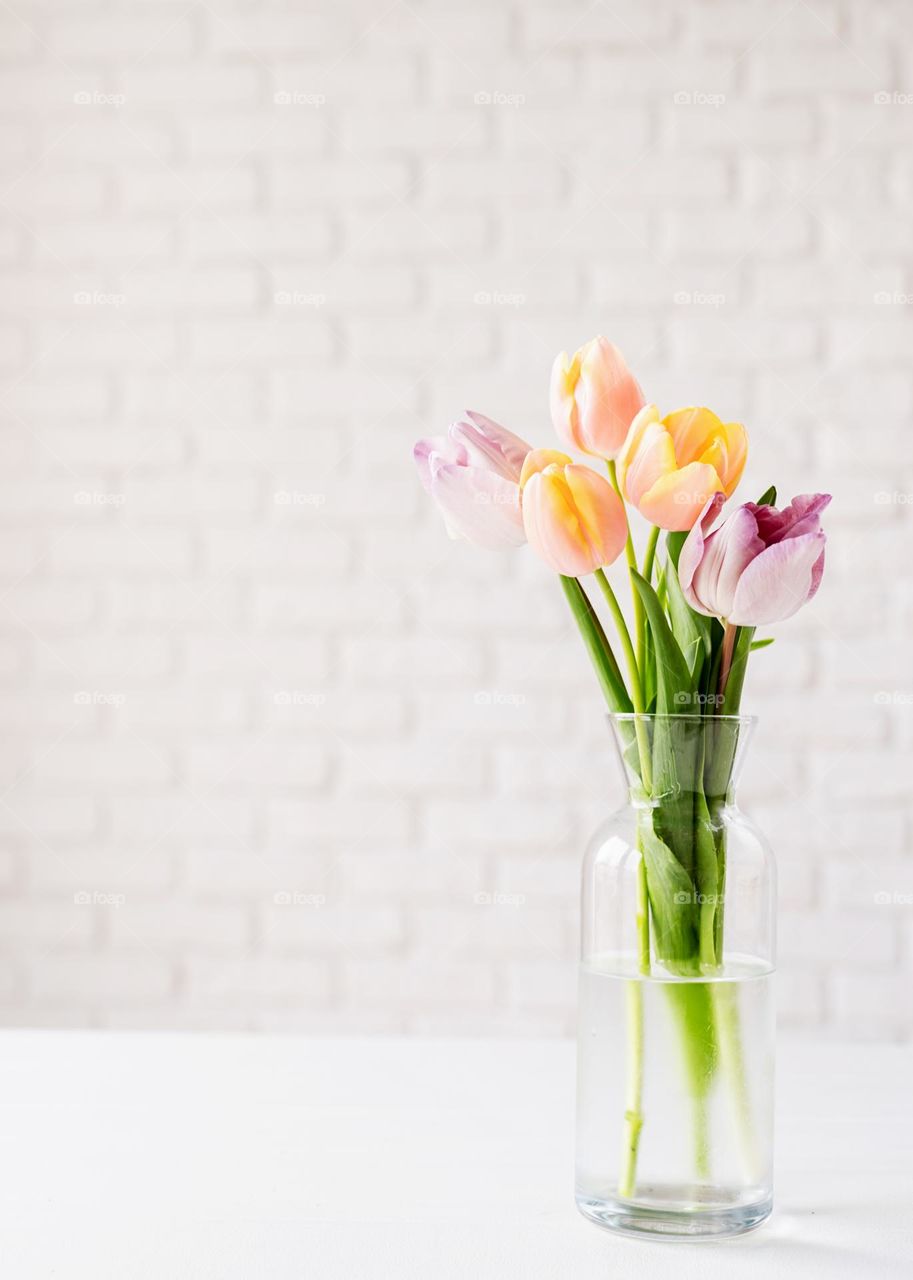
760 566
573 517
669 468
473 474
594 398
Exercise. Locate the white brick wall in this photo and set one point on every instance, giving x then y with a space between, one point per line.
268 738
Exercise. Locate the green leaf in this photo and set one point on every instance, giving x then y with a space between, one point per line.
691 629
761 644
768 498
672 898
674 682
597 645
674 544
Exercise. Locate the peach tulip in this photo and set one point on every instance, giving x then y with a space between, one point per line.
594 398
573 517
670 468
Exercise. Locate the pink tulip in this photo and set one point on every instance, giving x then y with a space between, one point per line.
594 397
759 566
574 519
473 474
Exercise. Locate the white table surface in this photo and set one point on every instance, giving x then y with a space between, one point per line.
168 1156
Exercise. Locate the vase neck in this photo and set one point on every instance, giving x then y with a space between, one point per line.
669 755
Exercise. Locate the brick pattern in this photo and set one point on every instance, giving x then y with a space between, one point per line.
275 754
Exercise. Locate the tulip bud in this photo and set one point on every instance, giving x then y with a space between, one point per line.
670 468
594 398
473 475
759 566
573 517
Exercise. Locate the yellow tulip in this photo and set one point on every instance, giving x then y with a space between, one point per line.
670 468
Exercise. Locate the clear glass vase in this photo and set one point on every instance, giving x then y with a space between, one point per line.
676 1017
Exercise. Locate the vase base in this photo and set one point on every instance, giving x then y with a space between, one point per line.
672 1216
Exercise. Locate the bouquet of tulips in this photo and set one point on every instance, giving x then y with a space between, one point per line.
695 608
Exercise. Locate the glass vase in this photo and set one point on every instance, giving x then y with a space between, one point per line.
676 1014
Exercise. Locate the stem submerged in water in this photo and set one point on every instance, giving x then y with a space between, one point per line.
634 1120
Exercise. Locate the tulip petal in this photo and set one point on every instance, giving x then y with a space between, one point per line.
539 459
653 458
490 445
565 373
676 500
693 549
629 449
700 436
601 512
478 505
801 516
552 527
778 582
727 554
445 449
608 398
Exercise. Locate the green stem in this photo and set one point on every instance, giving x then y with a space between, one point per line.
650 554
732 1059
634 1120
634 995
637 694
640 622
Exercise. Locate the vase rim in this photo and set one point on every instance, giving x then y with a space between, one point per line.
690 717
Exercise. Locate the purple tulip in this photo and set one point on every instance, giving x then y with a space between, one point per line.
473 475
759 566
